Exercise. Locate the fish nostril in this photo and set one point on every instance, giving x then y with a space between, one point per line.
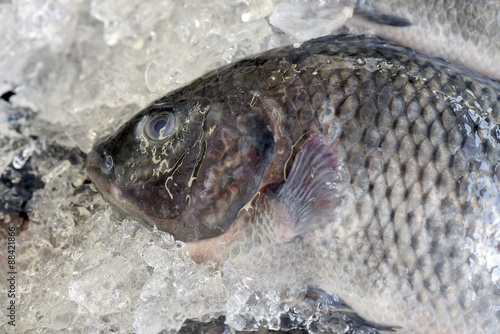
107 163
99 162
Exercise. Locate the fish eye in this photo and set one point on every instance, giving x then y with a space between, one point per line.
160 126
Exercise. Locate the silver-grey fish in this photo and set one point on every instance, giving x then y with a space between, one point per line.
372 167
465 32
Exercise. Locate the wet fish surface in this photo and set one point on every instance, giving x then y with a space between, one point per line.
465 32
370 167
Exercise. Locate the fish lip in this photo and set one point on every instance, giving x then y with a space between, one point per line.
106 183
104 179
110 190
93 162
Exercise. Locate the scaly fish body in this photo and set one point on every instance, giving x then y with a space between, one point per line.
465 32
377 164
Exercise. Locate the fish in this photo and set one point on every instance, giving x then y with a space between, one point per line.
463 32
368 168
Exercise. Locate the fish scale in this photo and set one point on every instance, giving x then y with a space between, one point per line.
430 264
462 31
374 165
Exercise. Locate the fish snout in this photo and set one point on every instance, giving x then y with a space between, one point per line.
100 166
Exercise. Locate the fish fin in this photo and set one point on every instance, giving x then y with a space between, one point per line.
327 303
365 10
310 193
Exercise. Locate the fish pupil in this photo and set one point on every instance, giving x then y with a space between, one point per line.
159 127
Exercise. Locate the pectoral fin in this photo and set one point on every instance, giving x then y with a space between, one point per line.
307 199
311 192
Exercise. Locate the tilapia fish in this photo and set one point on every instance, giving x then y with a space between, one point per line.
377 164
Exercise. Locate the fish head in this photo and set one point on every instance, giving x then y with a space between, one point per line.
183 166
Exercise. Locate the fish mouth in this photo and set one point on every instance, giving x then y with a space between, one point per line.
101 173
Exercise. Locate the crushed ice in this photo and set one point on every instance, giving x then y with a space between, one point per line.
73 71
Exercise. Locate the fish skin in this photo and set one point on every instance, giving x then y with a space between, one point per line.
461 31
413 145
